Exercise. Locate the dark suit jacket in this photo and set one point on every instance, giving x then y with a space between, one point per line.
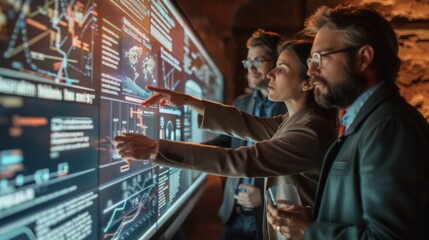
245 103
374 182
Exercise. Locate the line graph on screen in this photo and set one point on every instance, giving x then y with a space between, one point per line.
134 210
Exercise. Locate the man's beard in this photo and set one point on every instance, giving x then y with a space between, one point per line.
344 93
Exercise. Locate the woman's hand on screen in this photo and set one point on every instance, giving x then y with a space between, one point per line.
164 97
136 146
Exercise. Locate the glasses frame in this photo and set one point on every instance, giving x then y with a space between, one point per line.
255 63
311 60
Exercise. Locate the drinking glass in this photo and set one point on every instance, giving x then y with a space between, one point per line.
283 191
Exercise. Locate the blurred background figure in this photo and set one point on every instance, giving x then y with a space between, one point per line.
242 206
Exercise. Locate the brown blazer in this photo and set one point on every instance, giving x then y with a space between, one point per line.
287 149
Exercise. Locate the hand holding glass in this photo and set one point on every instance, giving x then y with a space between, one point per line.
283 191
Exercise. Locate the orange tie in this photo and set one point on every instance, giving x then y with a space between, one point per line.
341 127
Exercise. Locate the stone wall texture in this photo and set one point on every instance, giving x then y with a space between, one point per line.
225 25
410 18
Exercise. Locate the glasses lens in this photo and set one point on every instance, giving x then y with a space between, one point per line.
309 61
257 63
316 60
246 63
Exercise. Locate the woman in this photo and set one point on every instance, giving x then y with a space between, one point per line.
289 148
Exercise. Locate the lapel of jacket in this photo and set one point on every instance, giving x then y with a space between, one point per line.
377 98
250 105
326 166
234 182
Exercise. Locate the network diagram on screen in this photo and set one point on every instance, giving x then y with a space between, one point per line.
72 77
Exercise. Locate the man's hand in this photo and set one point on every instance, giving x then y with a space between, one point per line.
290 220
250 198
136 147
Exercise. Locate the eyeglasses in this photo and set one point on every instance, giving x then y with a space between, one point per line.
256 63
316 58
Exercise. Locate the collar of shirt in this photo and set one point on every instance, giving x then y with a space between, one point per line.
354 109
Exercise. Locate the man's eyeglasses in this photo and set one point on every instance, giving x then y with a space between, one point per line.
316 58
256 63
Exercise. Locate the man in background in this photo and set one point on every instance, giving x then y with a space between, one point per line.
242 207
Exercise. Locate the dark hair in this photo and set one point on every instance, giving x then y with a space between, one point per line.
361 26
269 40
301 49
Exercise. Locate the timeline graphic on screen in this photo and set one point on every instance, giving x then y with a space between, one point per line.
72 77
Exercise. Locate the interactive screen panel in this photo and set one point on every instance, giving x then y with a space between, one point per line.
72 77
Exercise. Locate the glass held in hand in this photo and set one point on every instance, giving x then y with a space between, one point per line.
282 192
